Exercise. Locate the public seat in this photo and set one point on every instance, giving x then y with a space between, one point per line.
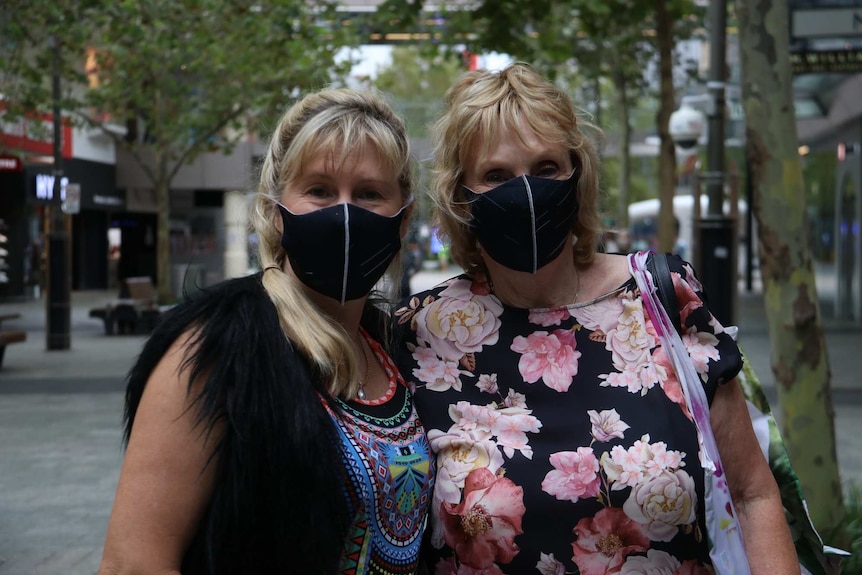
135 311
8 336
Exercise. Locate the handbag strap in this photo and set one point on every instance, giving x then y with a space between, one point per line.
658 267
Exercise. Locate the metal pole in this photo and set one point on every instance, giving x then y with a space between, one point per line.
749 222
58 312
715 115
717 242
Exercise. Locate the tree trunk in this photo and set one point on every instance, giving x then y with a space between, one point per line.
799 360
625 174
163 240
667 153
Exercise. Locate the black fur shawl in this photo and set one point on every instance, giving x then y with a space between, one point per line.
279 504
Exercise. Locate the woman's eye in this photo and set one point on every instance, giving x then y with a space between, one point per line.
370 195
317 192
495 178
547 171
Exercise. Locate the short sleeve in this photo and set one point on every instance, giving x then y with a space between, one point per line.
711 345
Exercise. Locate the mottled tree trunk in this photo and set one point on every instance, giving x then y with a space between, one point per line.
163 240
667 153
799 361
625 175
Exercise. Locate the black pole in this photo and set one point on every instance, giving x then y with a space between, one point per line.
58 312
717 249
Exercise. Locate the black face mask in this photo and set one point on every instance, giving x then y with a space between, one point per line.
524 223
341 251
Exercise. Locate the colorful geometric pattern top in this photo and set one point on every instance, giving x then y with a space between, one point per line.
390 478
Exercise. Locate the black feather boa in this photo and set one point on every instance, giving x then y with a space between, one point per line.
279 504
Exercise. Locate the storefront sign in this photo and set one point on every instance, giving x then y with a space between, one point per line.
11 164
72 199
45 187
826 22
826 62
34 135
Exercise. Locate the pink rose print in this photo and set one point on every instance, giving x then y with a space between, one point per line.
515 399
631 340
549 317
685 293
655 563
702 347
436 374
662 563
548 565
511 430
450 567
575 475
606 425
459 322
551 357
669 382
662 504
446 567
487 383
605 540
482 528
603 315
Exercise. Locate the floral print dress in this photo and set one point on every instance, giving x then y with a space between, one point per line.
562 438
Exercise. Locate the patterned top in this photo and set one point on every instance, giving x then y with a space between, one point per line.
563 442
390 477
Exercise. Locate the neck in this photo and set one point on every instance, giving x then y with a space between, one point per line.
554 284
348 315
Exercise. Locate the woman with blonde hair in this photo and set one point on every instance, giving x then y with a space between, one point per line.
267 428
563 441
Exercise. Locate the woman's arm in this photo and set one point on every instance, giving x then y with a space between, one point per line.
165 482
755 494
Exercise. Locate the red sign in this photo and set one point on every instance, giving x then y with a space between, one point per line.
11 164
34 134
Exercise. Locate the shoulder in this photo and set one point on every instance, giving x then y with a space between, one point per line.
211 314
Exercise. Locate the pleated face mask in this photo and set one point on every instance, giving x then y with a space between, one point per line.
343 250
524 222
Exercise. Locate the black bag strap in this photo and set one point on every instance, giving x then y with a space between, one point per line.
657 266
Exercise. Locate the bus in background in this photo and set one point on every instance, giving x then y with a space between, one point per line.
643 226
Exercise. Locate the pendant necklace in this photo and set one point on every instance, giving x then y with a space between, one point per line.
361 393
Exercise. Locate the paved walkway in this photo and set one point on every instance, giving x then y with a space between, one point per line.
60 417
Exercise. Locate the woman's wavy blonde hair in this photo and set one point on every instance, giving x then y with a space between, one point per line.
478 111
339 123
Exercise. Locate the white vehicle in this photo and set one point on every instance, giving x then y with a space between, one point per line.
643 225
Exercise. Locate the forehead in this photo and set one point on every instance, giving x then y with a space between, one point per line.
335 156
504 141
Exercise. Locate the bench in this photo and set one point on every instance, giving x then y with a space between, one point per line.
135 311
9 336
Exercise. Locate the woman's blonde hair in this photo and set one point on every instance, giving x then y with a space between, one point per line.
338 123
478 111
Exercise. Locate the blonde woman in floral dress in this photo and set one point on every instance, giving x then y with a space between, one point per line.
562 437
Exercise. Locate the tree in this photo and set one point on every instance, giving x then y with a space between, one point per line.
416 80
799 356
184 76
